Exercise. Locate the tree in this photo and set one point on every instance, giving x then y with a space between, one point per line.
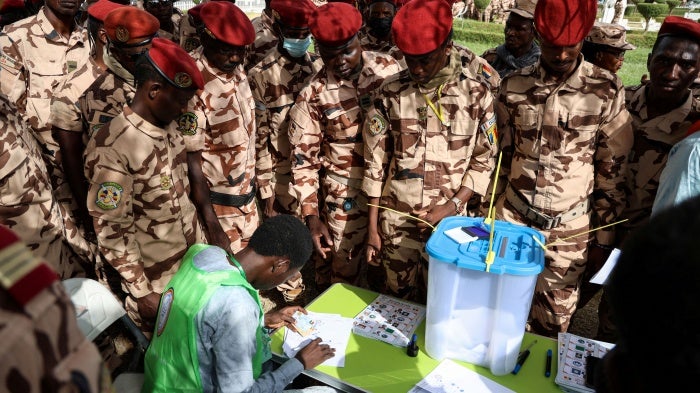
650 11
672 4
480 6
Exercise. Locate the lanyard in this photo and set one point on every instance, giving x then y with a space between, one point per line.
436 109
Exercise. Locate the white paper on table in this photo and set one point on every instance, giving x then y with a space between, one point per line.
333 330
450 377
602 276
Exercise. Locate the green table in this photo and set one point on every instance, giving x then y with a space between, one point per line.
375 366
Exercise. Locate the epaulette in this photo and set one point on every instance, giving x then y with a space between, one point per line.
22 274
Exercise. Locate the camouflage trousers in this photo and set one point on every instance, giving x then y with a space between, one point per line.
238 223
403 258
285 203
558 286
345 214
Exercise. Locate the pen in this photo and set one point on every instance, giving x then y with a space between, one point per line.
412 348
548 367
522 357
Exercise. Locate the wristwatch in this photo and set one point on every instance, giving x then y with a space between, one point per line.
458 204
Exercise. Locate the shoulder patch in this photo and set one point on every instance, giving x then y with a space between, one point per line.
166 303
187 123
109 195
8 61
485 71
377 125
489 129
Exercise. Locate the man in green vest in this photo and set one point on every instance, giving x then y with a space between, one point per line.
210 331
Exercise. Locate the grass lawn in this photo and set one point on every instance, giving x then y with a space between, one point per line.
479 36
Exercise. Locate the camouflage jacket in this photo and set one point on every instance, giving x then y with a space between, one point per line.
566 142
326 126
220 122
144 219
65 108
414 159
265 41
275 82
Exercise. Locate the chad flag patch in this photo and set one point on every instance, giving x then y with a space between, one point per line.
490 130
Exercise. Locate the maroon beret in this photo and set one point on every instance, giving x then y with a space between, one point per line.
226 22
293 13
420 27
194 11
101 8
334 24
130 25
175 64
564 22
676 25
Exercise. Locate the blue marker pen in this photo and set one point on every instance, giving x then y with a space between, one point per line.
522 358
548 366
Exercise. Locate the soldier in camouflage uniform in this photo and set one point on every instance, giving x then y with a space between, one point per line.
219 129
138 197
326 137
190 26
520 49
27 204
37 53
662 111
42 348
275 82
375 35
265 37
430 142
66 125
565 139
129 34
168 16
605 46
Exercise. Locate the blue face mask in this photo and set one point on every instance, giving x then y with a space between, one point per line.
296 47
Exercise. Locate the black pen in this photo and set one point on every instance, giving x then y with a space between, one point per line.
548 367
522 357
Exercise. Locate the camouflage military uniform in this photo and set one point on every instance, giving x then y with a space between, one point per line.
372 43
265 41
326 132
27 204
481 68
138 198
41 347
106 97
220 122
189 39
275 82
564 150
428 160
174 35
35 59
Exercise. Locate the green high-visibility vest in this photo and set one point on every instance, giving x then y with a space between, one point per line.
171 362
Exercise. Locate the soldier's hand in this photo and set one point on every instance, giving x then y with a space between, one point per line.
374 246
148 307
320 234
437 213
314 353
269 209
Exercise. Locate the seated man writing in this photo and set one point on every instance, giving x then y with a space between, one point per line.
210 332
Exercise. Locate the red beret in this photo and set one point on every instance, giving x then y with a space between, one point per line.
226 22
401 3
676 25
194 11
334 24
175 64
293 13
101 8
130 25
420 27
565 22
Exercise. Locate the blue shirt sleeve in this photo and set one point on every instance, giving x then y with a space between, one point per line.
226 328
680 179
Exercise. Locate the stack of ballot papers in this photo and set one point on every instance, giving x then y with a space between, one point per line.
332 329
573 353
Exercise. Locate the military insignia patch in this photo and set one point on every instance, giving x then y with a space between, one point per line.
377 125
166 303
182 80
486 71
121 33
165 182
422 112
109 195
490 130
187 123
7 61
365 101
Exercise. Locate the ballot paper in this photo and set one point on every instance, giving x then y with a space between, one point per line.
602 276
450 377
333 330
